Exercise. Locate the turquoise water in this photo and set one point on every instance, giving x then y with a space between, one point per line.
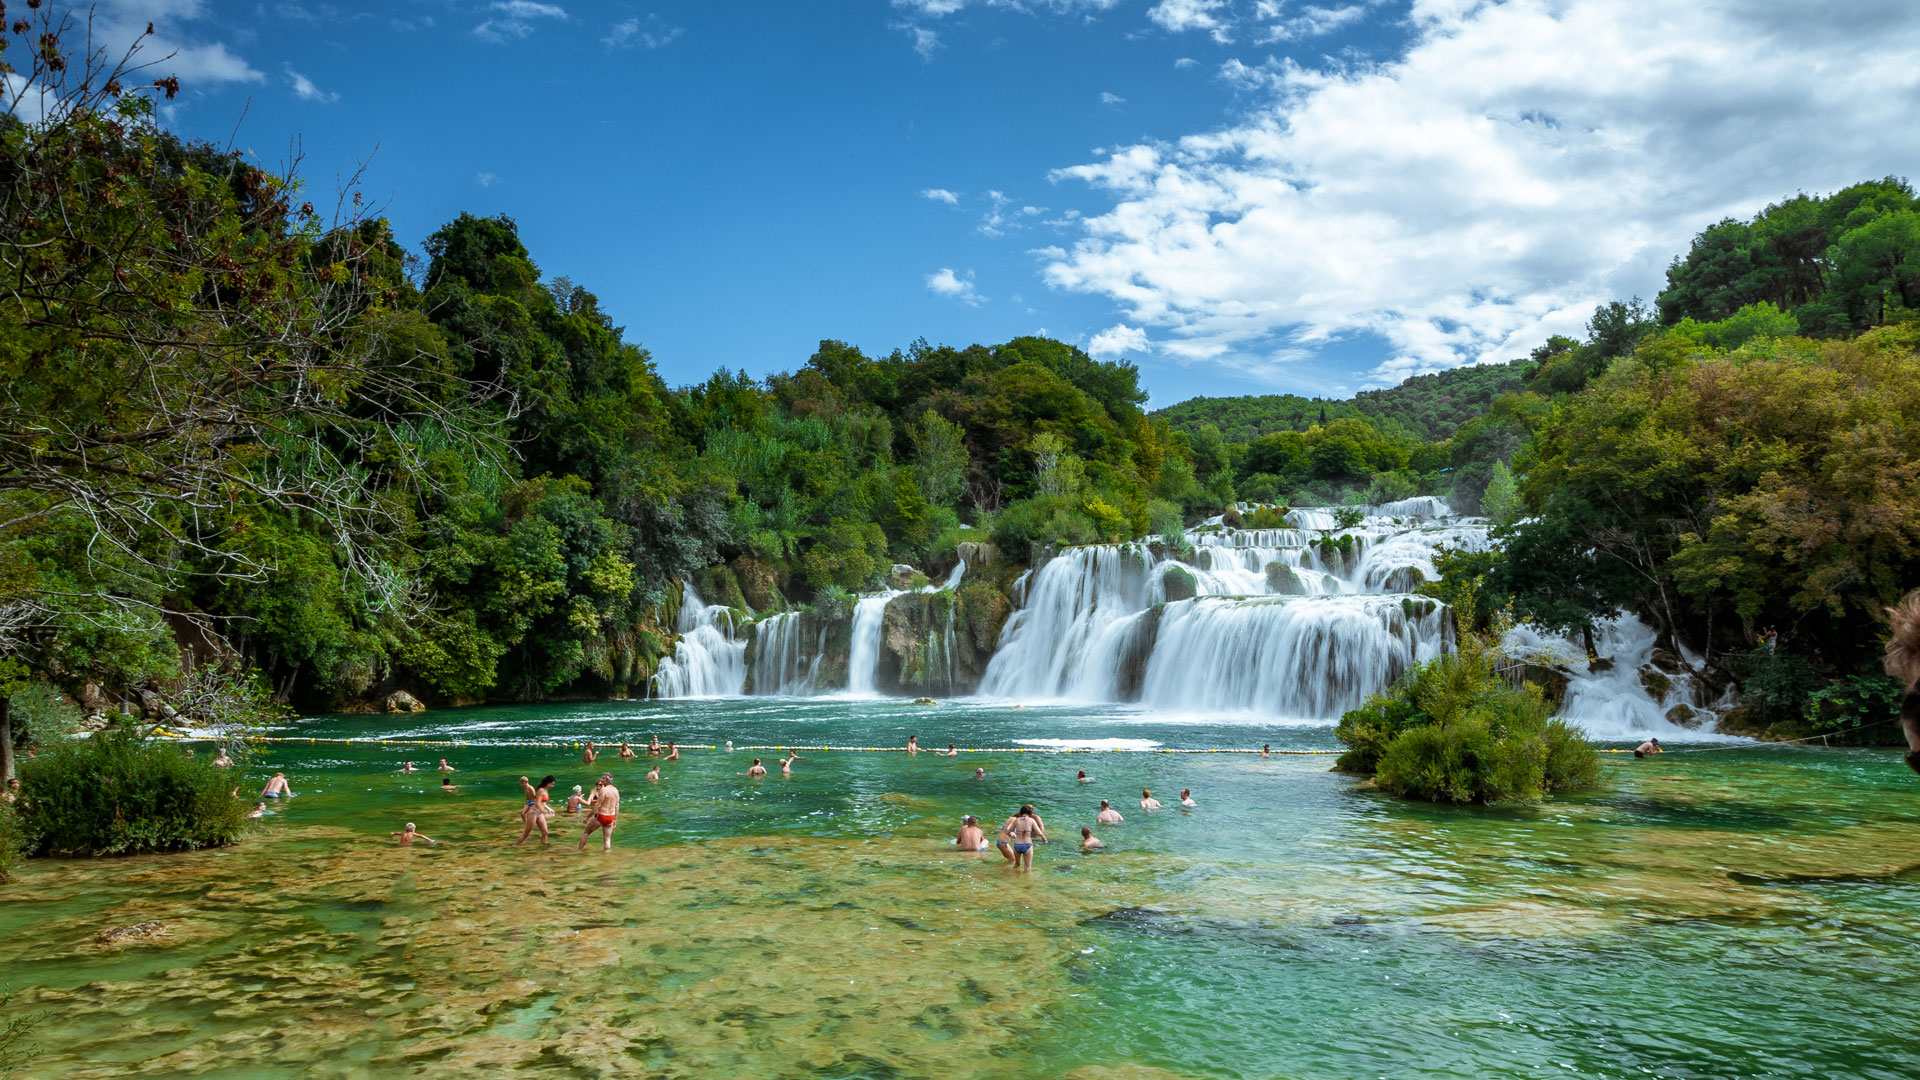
1744 912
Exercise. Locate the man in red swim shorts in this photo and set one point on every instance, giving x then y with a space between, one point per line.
602 809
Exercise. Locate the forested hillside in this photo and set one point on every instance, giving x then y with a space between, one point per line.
1431 407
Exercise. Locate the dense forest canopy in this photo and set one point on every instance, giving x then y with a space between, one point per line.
250 454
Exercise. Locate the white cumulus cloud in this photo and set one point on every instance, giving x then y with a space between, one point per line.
1179 16
304 89
1118 341
1518 164
940 194
944 282
652 33
1108 97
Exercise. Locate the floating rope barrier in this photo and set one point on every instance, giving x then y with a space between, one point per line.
611 748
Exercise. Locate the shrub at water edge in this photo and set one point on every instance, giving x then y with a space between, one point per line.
13 840
119 793
1455 730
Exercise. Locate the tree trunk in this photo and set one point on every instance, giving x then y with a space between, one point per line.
6 739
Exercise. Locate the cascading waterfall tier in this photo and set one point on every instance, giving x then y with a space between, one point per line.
1300 622
791 651
710 659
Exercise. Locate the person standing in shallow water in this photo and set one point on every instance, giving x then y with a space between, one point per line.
626 752
535 813
1651 746
409 834
1088 841
756 770
1147 801
1023 830
605 809
1108 815
1186 799
913 744
587 755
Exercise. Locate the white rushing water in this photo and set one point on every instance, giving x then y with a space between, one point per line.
863 658
1630 696
1302 621
709 660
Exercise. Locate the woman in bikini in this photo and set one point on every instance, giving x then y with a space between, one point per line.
538 808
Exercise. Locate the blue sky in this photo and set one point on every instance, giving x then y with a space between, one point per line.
1242 196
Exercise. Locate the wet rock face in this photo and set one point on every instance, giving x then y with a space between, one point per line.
1282 580
759 583
1658 685
1684 716
939 643
402 702
1180 584
718 585
901 576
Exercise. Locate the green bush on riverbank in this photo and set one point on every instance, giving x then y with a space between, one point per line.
119 793
12 840
1455 730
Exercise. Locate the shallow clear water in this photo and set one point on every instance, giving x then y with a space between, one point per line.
1745 912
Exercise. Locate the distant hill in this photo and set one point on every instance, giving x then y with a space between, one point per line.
1430 406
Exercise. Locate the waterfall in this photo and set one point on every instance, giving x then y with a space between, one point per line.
709 660
782 663
864 657
1627 696
1299 622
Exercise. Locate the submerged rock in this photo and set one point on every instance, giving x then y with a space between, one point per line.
136 932
1180 584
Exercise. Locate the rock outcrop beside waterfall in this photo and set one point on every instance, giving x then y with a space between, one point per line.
939 643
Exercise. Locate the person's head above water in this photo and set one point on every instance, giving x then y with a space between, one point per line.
1082 776
1104 804
1145 793
1184 792
1085 831
446 781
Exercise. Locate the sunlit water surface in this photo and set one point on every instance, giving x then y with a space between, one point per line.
1746 912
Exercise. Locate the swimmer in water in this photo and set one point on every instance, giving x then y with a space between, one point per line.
1266 750
575 801
1147 801
950 751
221 760
1186 799
606 809
673 752
407 766
729 746
971 840
1651 746
654 773
277 788
444 767
447 784
627 753
979 774
1088 841
1084 778
786 765
587 755
653 745
409 834
757 770
259 810
913 744
1108 815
